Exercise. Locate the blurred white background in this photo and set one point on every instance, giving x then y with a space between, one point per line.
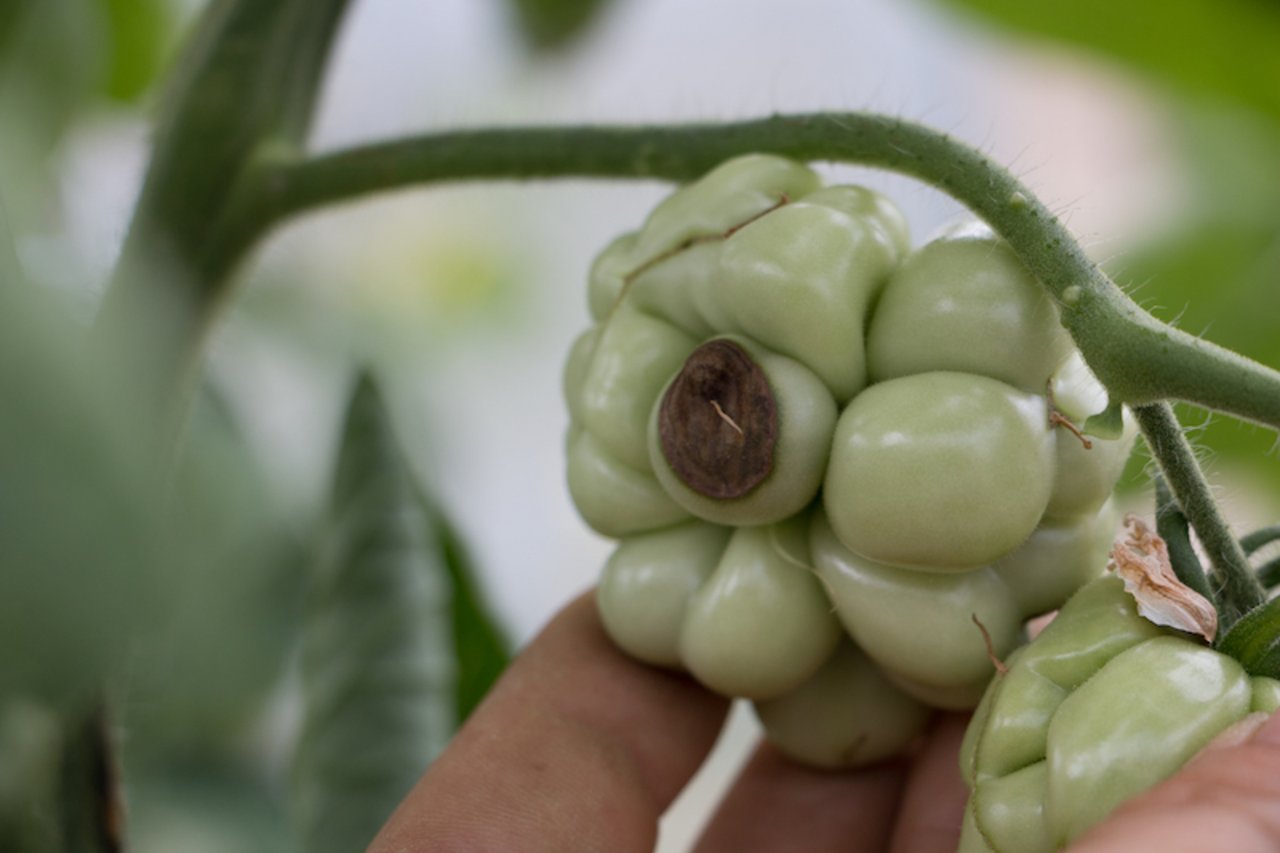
466 298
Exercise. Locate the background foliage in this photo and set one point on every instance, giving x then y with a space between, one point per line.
282 667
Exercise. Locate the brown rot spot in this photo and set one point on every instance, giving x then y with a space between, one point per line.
718 422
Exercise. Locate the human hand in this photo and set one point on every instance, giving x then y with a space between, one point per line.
582 748
1226 798
579 747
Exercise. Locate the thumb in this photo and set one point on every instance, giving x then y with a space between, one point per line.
1226 798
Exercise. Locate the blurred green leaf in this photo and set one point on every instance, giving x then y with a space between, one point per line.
11 276
376 669
29 757
138 35
480 648
549 25
1221 48
241 93
210 806
51 56
214 663
90 808
82 570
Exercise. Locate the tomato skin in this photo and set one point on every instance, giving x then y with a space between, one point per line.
848 714
942 471
647 584
1084 477
614 499
919 626
1060 556
964 302
697 596
632 359
800 281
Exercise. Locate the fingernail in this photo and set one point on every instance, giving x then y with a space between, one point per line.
1240 731
1269 730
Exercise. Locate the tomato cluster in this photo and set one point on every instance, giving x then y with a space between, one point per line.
828 457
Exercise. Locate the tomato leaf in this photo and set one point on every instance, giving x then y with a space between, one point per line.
1224 48
137 33
1255 640
376 674
480 648
81 570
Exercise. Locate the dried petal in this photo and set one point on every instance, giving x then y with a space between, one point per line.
1142 562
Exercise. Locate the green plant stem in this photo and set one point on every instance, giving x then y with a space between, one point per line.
1138 358
247 83
1171 525
1269 573
1240 591
1259 539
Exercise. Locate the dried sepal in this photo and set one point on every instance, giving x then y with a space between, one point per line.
1142 562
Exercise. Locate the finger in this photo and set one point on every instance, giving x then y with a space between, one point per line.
577 748
779 805
1227 798
934 797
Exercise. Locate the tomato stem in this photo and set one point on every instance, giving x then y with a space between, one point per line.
1171 525
1240 591
1139 359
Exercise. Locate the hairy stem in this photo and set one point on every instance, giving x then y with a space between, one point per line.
1240 591
1138 358
1171 525
1260 538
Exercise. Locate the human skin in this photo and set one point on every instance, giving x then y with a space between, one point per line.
580 748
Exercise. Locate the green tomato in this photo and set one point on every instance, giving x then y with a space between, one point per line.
1141 717
613 498
576 367
681 289
647 583
724 198
876 210
740 435
1100 706
608 276
919 626
799 281
1084 477
846 715
1059 557
966 303
633 358
761 625
940 471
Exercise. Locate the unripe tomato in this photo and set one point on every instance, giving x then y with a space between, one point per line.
966 303
942 471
